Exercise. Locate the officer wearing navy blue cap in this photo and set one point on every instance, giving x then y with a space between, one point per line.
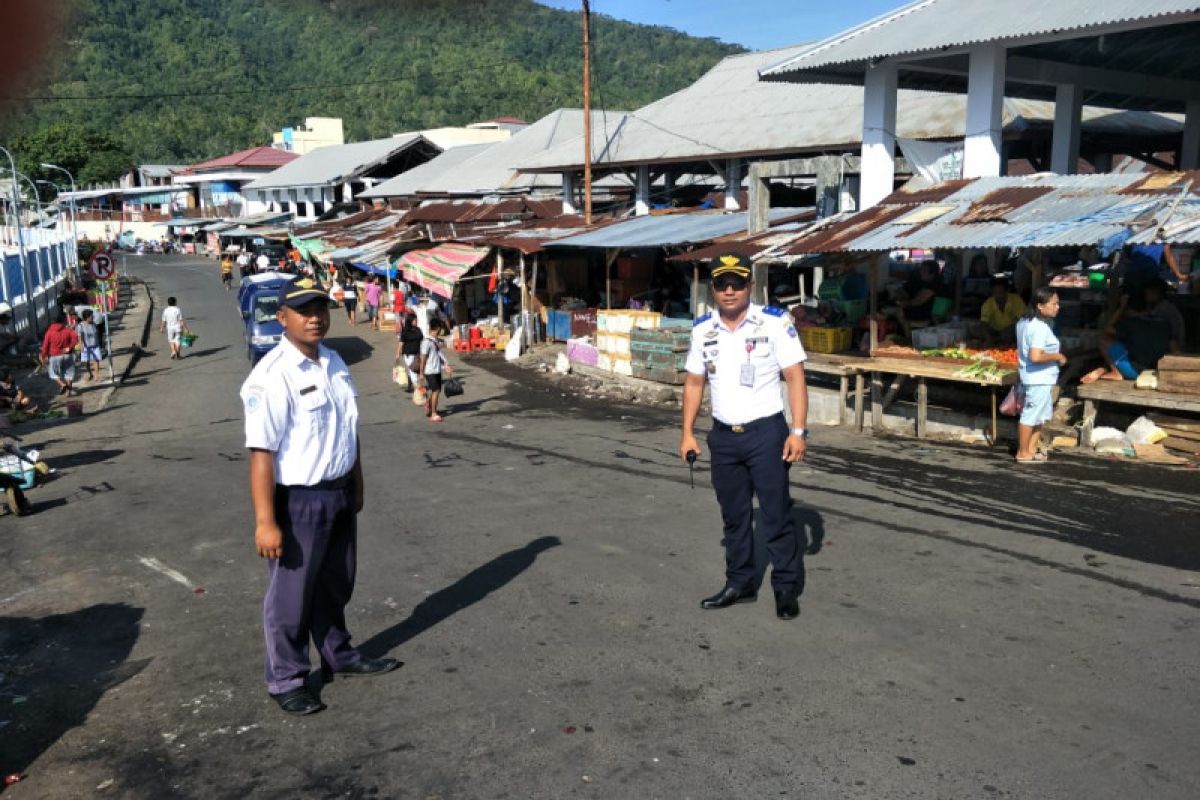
742 350
306 483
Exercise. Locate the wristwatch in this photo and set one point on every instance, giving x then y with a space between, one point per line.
801 432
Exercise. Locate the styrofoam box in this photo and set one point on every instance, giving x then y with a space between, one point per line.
604 361
618 345
622 365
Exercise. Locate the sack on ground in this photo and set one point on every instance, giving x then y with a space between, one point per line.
1144 431
452 387
1013 402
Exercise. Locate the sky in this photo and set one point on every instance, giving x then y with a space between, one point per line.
756 24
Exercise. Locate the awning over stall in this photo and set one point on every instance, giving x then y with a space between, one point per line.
437 269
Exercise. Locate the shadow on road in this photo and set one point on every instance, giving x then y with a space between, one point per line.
202 353
350 348
463 593
57 668
83 458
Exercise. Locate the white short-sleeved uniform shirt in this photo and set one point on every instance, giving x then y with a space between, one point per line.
435 362
304 412
766 340
1033 333
172 317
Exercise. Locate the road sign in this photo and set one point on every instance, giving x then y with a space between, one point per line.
101 265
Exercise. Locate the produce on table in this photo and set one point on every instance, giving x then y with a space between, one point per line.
984 370
1006 357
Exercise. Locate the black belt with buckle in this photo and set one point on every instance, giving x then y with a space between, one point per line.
746 426
331 485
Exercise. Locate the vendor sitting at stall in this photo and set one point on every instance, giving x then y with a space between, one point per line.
12 396
915 302
1136 339
1000 312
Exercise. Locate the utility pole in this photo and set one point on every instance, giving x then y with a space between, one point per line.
587 113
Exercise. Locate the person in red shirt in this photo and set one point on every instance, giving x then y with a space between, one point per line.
57 346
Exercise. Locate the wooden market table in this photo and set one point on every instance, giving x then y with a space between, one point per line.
923 371
1125 393
844 367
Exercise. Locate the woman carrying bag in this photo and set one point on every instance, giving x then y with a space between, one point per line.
408 348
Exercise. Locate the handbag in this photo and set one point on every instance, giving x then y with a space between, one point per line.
1013 402
452 387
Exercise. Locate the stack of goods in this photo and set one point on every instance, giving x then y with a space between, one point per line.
1182 434
1179 374
660 355
613 329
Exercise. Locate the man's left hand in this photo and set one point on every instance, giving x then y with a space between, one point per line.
793 449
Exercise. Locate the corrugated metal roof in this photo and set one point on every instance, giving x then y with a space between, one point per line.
730 112
929 26
669 229
410 182
336 164
254 157
1077 210
496 169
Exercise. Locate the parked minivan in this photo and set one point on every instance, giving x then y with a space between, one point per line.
258 299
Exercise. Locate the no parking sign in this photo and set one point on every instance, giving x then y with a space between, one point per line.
101 265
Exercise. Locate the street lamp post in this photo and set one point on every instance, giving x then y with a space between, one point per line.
16 200
74 217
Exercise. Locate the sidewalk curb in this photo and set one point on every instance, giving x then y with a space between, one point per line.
136 353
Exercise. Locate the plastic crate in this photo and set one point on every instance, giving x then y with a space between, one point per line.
826 340
936 338
853 310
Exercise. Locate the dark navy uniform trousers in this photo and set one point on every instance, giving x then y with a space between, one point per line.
744 465
311 584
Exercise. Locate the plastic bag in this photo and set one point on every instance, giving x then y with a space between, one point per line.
1013 402
452 387
420 396
1144 431
400 375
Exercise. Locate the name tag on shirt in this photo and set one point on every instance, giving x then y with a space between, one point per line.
307 390
747 375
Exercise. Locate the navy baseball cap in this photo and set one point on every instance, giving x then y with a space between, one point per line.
731 264
299 291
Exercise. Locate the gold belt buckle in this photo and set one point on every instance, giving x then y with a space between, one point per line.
738 428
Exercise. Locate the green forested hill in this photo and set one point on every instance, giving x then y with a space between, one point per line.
427 62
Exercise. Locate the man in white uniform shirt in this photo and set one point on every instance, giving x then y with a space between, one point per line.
742 351
307 488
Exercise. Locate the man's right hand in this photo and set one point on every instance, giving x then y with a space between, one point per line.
268 540
688 443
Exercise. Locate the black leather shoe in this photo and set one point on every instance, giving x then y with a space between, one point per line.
371 666
728 596
787 605
299 701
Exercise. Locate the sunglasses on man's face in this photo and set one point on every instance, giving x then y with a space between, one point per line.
735 282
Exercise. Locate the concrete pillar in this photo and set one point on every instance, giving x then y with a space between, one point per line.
733 184
985 107
568 193
641 205
1064 147
879 134
1189 155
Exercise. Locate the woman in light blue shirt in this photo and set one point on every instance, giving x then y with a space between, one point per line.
1039 360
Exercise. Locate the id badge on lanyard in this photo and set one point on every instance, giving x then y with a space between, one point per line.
747 374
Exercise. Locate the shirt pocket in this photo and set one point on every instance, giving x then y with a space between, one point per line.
314 410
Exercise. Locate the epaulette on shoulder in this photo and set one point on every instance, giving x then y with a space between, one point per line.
774 311
702 319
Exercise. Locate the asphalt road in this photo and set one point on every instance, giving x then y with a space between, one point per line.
970 629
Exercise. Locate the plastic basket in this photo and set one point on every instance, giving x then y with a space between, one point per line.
187 339
826 340
852 310
936 338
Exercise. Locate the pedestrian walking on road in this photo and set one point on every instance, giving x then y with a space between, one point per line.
431 368
1039 357
374 294
89 345
306 485
174 324
57 353
350 298
742 351
408 347
227 271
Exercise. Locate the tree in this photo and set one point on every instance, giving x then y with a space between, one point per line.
91 156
